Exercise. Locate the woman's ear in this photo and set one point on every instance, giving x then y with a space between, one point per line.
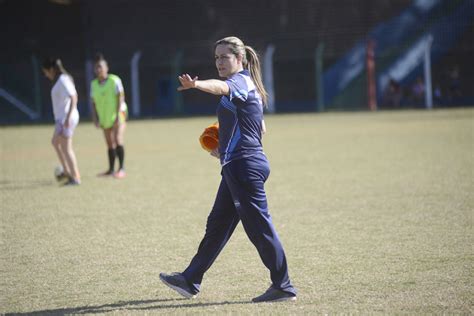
240 58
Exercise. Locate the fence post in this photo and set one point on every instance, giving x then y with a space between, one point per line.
319 77
89 72
427 73
36 85
176 71
135 82
371 90
268 77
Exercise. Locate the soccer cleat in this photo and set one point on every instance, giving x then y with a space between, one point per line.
274 295
61 177
106 174
72 182
120 174
177 282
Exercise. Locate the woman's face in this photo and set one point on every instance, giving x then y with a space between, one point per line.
101 69
227 63
49 73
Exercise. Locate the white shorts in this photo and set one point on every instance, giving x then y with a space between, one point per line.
66 132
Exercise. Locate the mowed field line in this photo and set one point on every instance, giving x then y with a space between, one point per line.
375 211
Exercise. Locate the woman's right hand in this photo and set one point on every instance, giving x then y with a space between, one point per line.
187 82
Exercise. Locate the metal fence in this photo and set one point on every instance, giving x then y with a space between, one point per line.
314 46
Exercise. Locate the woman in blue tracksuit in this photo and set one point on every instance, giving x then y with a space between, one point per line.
241 195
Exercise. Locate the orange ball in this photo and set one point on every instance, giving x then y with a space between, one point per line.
209 139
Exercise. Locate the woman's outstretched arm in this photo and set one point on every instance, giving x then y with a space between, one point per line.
213 86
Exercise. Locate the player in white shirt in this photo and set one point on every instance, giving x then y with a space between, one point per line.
66 117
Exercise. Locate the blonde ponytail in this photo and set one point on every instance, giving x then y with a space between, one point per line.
253 65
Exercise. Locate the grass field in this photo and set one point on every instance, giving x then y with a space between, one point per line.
375 211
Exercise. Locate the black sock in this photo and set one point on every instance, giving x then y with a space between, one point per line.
111 153
120 154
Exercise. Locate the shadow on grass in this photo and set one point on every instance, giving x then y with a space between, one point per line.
24 184
126 306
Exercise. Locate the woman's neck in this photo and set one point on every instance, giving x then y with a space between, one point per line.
56 76
238 70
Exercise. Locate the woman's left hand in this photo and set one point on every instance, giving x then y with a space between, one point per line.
215 153
187 82
66 123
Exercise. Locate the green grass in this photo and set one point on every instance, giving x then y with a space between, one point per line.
374 210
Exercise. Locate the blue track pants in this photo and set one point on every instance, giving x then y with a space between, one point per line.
241 197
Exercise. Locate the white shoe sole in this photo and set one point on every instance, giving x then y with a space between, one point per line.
285 299
178 289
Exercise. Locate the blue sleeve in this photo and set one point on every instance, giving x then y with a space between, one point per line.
238 88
